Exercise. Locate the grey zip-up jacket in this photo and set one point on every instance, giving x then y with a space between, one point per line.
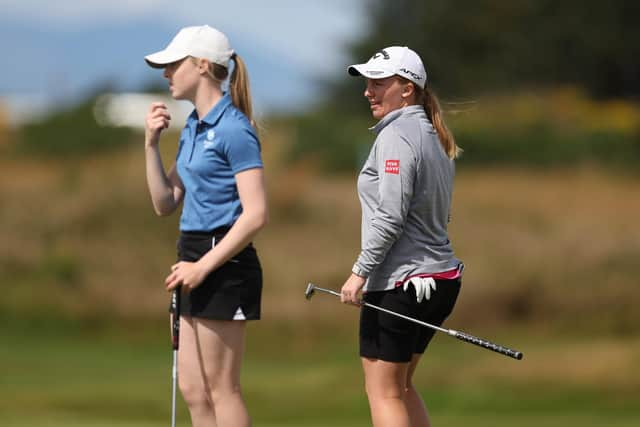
405 190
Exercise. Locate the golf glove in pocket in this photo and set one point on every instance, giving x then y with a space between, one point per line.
424 286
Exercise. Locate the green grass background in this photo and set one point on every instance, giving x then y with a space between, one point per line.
67 375
551 260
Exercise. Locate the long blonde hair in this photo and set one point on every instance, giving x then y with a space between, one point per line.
238 85
431 105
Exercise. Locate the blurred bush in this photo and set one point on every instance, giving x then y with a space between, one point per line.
71 131
333 141
4 129
561 127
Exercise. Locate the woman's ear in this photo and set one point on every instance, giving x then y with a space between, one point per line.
203 66
408 91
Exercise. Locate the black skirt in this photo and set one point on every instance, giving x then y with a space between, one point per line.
231 292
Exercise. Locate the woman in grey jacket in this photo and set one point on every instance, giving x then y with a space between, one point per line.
406 263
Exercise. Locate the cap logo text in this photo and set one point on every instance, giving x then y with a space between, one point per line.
411 73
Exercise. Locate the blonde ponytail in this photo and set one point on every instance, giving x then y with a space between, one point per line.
240 91
238 85
434 112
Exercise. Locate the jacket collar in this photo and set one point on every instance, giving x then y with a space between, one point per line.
411 110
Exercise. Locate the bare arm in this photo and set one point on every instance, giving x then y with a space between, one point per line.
254 216
166 190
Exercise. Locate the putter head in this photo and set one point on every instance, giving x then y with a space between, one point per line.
310 291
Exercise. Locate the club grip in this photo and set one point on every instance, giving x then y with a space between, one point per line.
175 320
488 345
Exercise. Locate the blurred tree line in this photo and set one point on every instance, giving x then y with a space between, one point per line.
474 46
580 60
70 130
474 49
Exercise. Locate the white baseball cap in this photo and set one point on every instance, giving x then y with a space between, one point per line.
390 61
198 41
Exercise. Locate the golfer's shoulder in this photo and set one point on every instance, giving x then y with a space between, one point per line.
396 136
235 126
234 118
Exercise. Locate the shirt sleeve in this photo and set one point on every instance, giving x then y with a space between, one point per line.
396 164
243 150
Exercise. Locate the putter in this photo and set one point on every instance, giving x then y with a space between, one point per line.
175 344
311 288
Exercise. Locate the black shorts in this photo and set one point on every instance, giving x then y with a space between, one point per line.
393 339
231 292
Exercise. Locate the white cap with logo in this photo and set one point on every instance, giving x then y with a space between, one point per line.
390 61
198 41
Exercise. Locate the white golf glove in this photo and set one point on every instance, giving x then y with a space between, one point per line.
424 286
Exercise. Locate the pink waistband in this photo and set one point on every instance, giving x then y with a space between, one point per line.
446 275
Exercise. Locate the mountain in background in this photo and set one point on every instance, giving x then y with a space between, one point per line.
63 66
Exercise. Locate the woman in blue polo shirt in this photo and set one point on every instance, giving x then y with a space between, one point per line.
218 177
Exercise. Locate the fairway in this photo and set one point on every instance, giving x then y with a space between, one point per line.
85 335
116 376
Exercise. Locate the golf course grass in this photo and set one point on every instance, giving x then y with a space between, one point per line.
118 374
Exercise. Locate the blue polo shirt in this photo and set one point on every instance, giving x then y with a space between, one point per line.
211 152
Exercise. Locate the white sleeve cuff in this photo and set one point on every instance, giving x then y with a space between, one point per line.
358 271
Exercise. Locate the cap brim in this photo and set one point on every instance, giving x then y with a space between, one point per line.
353 70
163 58
368 72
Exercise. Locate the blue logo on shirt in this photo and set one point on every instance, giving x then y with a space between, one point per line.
208 143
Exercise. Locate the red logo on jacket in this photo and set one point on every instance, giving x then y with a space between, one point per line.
392 166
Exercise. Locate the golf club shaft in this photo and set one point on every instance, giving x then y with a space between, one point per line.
175 344
457 334
174 377
384 310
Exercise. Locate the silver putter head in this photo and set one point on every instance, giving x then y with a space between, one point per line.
310 291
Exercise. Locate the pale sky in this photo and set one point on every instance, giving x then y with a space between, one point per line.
309 32
60 50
